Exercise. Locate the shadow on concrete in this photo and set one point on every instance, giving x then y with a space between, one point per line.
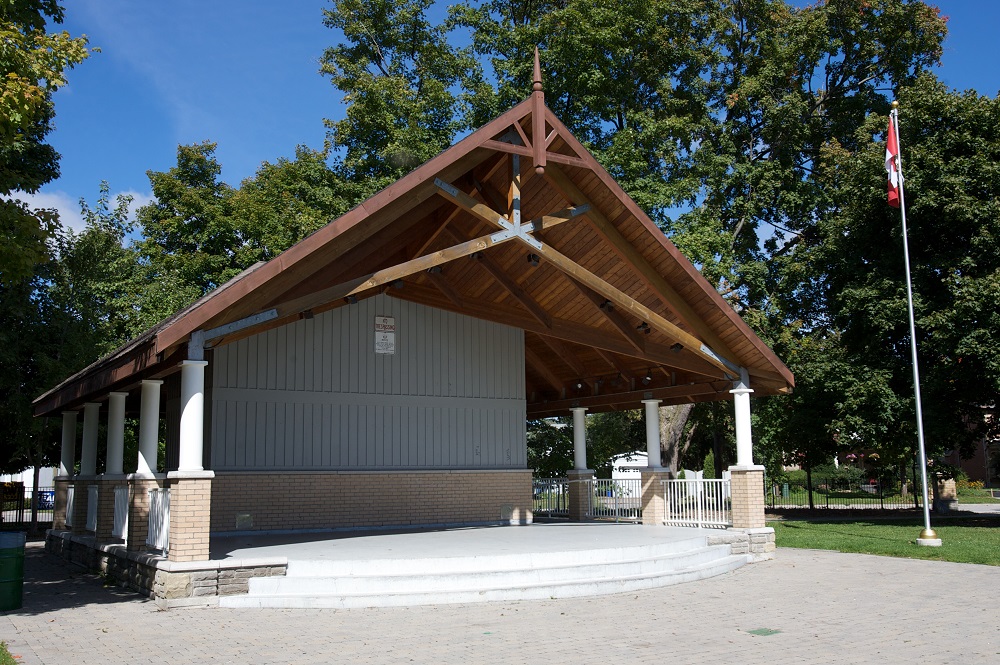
52 584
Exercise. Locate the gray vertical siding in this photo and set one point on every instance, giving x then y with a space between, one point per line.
315 395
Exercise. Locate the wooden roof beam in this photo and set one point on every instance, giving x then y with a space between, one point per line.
667 294
559 348
613 317
445 287
516 291
632 398
566 330
636 308
542 369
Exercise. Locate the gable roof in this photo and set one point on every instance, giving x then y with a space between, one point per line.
612 312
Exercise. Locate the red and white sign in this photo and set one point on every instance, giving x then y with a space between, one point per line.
385 334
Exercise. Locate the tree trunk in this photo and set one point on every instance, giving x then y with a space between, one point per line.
672 441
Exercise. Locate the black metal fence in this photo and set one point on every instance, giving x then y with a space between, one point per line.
19 502
841 493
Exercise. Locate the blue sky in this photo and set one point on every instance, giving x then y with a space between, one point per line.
244 73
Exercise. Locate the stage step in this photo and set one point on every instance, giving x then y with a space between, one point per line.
529 576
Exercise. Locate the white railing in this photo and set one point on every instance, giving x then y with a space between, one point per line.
550 496
617 499
91 507
121 512
159 520
70 493
698 503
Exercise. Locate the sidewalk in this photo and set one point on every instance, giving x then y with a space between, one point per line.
828 607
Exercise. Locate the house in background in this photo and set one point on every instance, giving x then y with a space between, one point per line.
380 372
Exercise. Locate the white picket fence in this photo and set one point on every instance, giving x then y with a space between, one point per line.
70 496
159 520
620 500
698 503
121 512
92 494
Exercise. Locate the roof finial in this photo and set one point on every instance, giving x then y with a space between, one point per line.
536 85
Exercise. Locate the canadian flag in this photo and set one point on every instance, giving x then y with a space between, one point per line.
892 165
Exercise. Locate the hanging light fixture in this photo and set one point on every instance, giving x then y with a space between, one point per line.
533 259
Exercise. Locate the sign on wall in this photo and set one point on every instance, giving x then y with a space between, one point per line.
385 334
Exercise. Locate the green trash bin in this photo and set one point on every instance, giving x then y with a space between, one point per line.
11 569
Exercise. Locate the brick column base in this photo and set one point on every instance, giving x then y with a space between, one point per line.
747 483
81 498
190 514
138 510
579 493
653 506
59 505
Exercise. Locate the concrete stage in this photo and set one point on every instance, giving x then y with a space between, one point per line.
378 568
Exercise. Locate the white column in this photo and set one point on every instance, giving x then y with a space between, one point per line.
116 434
579 437
192 415
653 433
67 455
88 455
149 426
741 402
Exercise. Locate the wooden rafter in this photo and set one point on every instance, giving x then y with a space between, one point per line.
524 151
671 394
623 300
559 348
419 264
562 329
542 369
584 276
445 287
516 291
627 330
667 294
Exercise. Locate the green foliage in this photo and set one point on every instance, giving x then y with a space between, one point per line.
709 465
612 434
33 64
847 282
550 447
399 75
550 442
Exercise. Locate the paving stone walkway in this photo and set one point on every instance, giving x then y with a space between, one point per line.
823 607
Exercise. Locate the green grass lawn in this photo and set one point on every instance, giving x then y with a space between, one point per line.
965 540
970 495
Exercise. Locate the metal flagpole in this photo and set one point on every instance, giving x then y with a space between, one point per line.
928 536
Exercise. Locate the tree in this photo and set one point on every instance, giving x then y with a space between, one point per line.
288 200
399 75
852 275
73 309
189 237
33 64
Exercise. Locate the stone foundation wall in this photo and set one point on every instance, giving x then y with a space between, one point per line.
331 500
169 584
756 544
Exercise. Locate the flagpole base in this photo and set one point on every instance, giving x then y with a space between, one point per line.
928 538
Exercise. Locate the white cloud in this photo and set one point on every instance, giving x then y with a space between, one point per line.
139 199
69 206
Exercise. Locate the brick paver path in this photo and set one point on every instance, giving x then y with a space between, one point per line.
828 607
